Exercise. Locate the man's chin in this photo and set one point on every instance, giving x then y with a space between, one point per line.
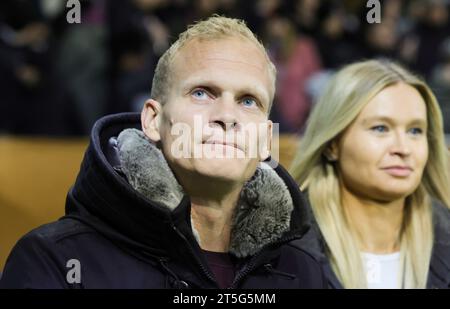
226 169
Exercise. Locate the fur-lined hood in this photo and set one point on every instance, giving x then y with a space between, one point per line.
127 184
263 212
128 225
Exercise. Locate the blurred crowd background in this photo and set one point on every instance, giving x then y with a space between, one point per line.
57 78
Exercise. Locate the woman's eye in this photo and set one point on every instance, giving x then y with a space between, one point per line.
416 131
199 94
380 129
249 102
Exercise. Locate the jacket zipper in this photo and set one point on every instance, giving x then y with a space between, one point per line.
248 268
204 270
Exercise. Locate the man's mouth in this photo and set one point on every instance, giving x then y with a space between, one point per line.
229 144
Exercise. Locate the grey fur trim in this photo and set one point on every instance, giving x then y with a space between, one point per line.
138 157
263 212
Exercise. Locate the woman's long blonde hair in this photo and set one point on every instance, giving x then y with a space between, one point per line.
344 98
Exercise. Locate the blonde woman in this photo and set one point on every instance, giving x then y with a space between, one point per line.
374 164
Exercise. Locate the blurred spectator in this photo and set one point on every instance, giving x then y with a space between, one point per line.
335 39
82 65
431 31
297 60
258 13
138 37
306 16
203 8
57 78
32 94
381 40
440 83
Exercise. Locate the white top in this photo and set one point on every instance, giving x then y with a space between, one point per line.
382 270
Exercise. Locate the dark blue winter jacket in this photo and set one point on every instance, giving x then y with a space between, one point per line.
127 225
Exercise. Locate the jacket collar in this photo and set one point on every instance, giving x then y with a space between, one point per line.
439 276
314 243
148 202
263 212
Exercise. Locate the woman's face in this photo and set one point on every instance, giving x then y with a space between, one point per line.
382 154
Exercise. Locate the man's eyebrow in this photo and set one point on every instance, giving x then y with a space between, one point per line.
420 121
190 84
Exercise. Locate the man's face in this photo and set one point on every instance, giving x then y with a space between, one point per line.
220 91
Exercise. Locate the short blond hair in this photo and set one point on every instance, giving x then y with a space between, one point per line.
214 28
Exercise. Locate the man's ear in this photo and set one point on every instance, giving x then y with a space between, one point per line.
267 147
332 151
150 119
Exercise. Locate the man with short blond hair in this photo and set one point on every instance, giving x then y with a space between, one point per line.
174 197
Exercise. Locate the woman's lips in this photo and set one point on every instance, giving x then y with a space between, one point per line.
398 171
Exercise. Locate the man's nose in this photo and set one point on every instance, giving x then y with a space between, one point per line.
225 113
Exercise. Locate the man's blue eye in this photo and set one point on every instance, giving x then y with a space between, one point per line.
199 94
380 129
249 102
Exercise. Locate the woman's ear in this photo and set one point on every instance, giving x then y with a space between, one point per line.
150 119
332 151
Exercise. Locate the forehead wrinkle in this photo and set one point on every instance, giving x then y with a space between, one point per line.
200 50
260 68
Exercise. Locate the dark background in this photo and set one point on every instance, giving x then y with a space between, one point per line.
57 78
